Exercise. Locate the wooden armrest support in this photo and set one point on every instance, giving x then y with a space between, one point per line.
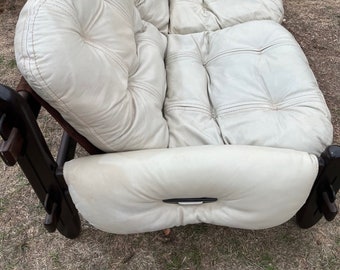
24 143
322 199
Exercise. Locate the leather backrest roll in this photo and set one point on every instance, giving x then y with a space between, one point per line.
100 65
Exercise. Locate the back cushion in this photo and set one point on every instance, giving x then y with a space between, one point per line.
249 84
155 12
100 65
192 16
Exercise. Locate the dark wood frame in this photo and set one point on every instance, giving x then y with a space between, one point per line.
23 142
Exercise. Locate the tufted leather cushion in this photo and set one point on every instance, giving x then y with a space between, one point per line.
155 12
248 84
100 66
192 16
252 185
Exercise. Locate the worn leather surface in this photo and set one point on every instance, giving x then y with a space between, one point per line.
100 66
155 12
192 16
249 84
255 187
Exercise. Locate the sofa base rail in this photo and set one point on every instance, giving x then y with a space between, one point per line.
24 143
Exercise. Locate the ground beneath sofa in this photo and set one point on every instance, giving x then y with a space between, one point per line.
24 244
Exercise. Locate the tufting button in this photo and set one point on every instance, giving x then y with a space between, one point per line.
274 107
205 8
213 114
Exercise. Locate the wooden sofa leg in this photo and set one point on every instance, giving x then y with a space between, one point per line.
322 199
24 143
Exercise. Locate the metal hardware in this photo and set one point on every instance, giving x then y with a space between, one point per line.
190 201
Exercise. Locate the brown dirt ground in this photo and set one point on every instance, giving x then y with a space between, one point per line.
24 244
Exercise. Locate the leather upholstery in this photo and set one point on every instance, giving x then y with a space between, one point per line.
246 84
124 192
105 80
249 84
155 12
121 76
192 16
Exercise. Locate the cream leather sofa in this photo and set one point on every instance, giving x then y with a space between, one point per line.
207 111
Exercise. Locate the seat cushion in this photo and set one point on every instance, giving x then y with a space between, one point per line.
253 187
249 84
100 65
192 16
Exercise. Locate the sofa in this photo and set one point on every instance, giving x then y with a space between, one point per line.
191 111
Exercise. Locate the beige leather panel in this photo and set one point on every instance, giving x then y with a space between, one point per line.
100 66
155 12
255 187
249 84
192 16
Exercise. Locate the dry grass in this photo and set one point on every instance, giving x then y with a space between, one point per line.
24 244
